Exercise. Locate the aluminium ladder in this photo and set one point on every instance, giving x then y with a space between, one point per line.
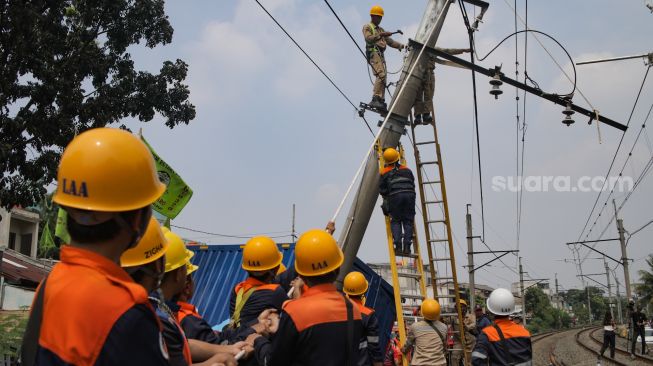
435 215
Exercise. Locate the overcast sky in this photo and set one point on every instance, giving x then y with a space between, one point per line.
271 131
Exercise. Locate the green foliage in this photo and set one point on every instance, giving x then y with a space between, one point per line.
65 69
645 289
578 301
543 316
13 327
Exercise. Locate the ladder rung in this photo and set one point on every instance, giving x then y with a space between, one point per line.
438 240
428 162
406 255
432 202
436 221
424 143
410 275
431 182
443 278
416 297
440 259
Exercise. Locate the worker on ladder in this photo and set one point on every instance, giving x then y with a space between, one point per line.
355 286
397 187
376 41
423 106
427 337
469 325
503 342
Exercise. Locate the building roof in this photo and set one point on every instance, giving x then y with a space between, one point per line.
219 272
17 267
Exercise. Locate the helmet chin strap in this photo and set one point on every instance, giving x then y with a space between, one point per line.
136 234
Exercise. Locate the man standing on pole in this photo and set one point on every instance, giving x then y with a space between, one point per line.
376 41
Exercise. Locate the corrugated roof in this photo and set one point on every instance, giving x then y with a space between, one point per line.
220 271
21 268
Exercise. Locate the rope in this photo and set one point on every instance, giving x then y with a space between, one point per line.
385 121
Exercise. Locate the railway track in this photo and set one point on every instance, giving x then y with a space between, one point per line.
598 339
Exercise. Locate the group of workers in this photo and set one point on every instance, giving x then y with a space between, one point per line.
500 341
120 294
122 290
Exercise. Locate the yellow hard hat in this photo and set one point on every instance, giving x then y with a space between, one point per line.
282 269
152 246
376 10
260 254
462 302
107 169
430 309
190 268
390 155
177 254
355 284
317 253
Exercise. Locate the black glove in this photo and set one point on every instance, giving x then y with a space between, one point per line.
385 207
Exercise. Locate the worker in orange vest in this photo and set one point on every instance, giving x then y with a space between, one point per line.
355 286
106 182
262 289
322 327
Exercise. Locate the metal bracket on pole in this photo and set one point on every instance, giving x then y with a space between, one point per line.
492 73
598 251
505 252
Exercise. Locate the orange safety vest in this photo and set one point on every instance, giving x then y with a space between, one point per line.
84 296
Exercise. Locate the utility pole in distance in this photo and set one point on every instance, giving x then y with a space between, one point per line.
607 276
470 260
624 256
521 291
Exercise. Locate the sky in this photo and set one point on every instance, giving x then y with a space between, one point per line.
271 131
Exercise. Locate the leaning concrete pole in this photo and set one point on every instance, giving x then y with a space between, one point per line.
367 193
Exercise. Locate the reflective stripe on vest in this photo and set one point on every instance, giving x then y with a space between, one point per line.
371 47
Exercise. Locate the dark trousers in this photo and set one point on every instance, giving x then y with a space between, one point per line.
638 331
608 341
402 215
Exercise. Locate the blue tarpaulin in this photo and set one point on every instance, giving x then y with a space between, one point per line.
219 271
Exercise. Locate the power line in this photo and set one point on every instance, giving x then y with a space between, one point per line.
242 236
314 63
478 141
589 217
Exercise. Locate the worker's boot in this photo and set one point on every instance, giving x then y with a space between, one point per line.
377 103
427 118
407 248
418 119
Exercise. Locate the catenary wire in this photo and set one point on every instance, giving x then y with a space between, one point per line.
314 63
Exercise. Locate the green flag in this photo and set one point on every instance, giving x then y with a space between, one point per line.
46 242
177 193
61 230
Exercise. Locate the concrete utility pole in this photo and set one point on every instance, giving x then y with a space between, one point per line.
557 297
470 260
621 319
353 229
624 256
523 294
607 275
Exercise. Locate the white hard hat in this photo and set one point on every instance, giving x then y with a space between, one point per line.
501 302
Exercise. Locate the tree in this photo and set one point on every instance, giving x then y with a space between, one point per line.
645 289
578 301
65 69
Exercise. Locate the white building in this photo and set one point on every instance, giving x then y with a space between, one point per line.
19 230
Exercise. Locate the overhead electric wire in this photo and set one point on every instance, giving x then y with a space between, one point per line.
478 140
243 236
523 133
614 158
313 62
517 126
